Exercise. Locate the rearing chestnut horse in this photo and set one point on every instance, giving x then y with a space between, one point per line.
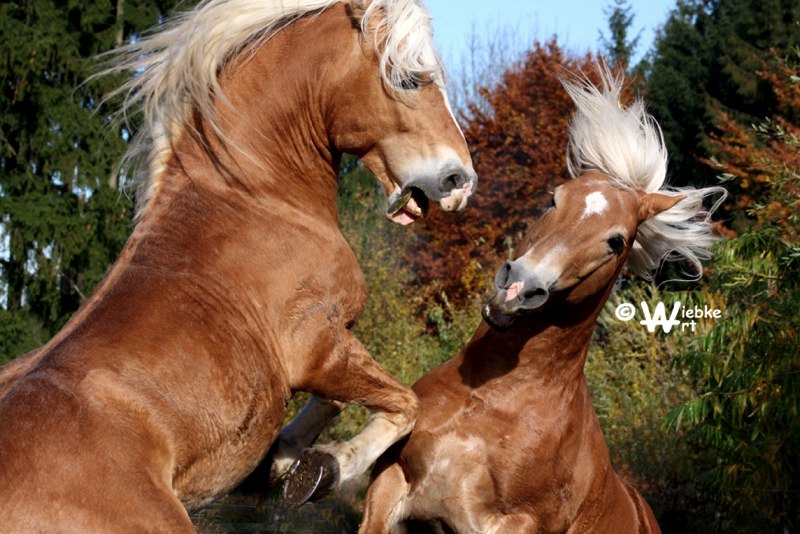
236 287
508 440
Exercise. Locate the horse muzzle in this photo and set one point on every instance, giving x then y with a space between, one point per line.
518 291
451 187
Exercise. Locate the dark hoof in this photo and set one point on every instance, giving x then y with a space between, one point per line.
311 477
261 481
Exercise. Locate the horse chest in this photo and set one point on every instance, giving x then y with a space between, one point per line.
451 473
491 459
324 270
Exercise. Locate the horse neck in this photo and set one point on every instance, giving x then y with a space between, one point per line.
546 351
215 198
269 139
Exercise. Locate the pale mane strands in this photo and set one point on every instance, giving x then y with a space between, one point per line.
403 37
627 145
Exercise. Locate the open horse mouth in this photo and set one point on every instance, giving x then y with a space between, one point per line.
495 318
508 304
413 201
408 206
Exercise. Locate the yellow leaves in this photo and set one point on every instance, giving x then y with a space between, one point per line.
475 279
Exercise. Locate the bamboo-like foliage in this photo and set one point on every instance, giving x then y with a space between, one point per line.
746 369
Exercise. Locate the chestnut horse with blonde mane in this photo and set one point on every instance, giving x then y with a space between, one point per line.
236 288
507 439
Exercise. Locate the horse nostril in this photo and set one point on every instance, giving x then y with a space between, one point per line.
539 291
452 179
501 279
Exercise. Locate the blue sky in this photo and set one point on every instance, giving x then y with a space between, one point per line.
577 23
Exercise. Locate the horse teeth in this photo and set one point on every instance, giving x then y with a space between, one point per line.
413 207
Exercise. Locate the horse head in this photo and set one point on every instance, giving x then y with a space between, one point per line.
616 211
576 249
400 123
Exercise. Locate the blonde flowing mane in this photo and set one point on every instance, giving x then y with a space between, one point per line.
174 70
627 145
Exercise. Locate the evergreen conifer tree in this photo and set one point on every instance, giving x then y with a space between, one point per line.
618 47
704 62
64 219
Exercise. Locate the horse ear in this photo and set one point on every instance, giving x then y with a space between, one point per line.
355 10
651 204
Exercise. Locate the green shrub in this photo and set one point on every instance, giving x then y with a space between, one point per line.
633 387
744 421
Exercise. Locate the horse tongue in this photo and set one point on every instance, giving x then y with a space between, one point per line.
402 217
409 213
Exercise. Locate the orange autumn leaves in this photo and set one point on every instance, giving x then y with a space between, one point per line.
752 156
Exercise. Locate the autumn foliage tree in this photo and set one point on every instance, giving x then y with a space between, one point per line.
747 156
518 145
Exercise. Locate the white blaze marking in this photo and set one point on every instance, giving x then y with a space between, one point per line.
551 260
549 268
595 203
450 110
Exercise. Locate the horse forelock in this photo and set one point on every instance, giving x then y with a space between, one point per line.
624 143
174 70
403 36
627 145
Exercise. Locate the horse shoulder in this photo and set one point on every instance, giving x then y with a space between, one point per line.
629 511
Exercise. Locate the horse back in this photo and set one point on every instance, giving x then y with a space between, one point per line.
12 371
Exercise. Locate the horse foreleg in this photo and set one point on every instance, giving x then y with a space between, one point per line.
350 375
384 503
300 434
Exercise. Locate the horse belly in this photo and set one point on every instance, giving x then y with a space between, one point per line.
211 473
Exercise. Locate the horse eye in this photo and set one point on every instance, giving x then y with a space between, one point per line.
409 83
552 200
616 243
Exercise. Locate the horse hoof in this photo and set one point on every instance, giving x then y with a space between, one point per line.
311 477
